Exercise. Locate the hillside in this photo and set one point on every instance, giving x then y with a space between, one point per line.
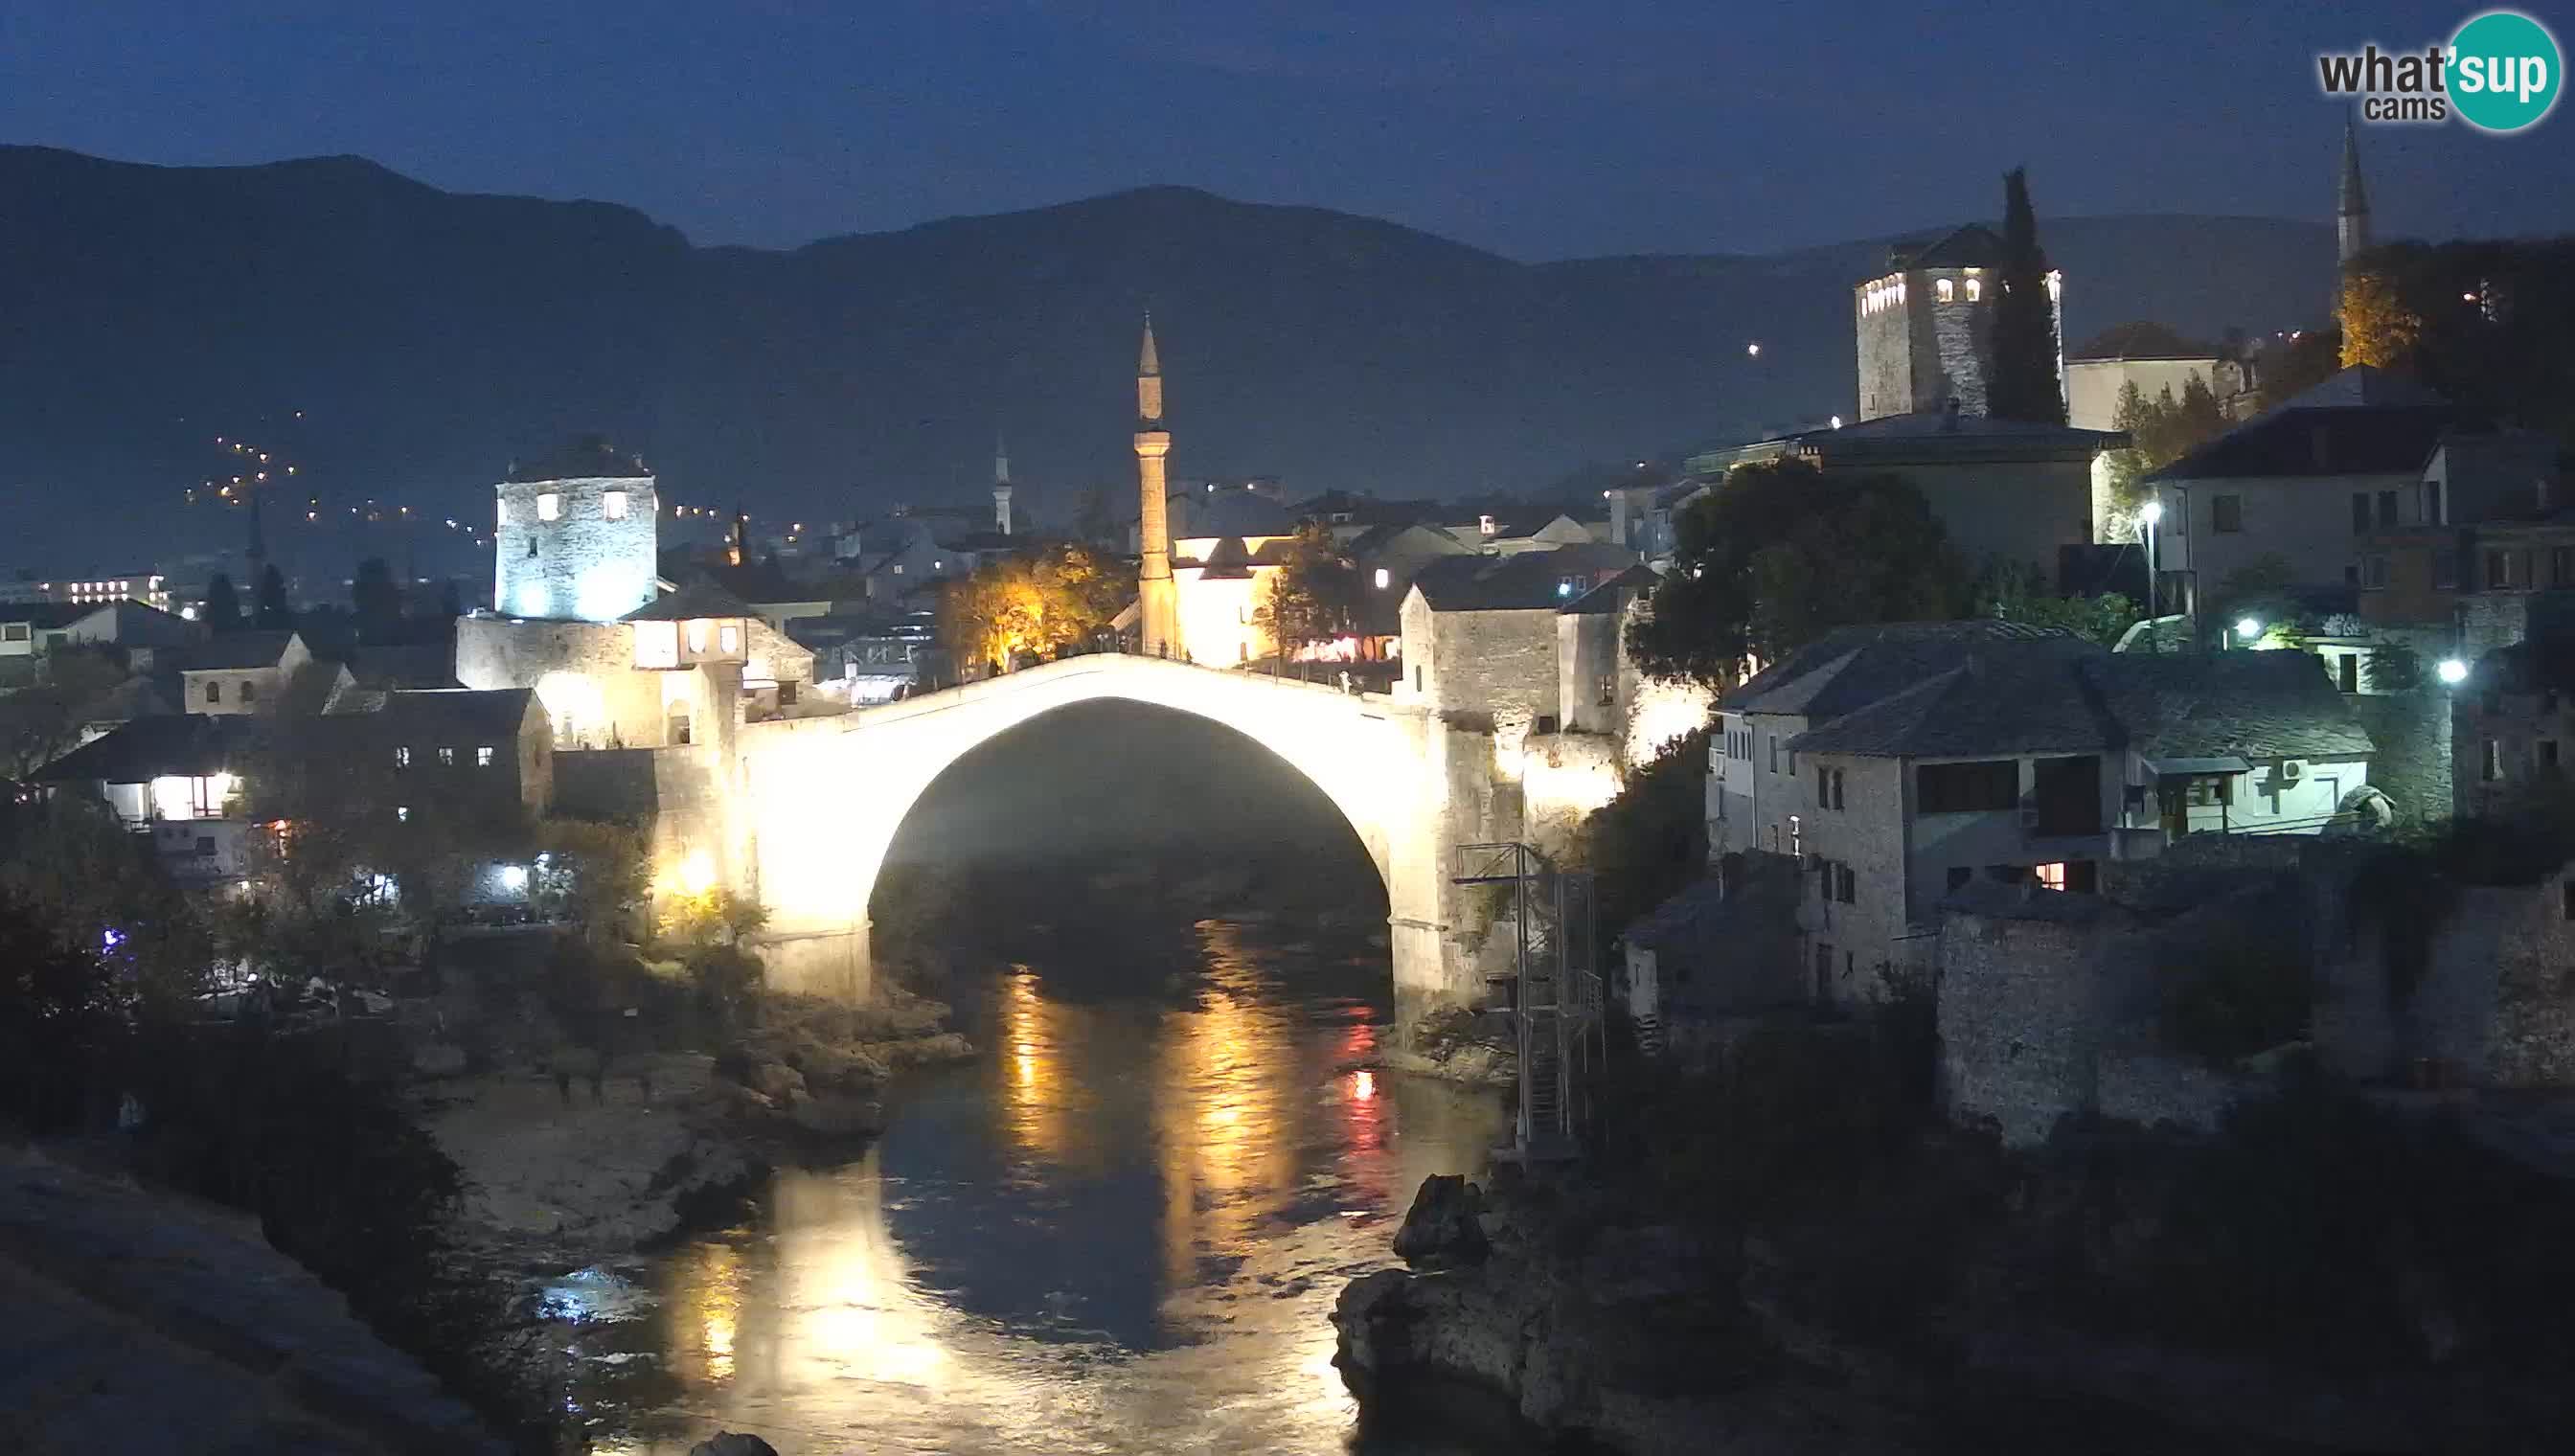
429 335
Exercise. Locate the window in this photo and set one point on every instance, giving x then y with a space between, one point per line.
1608 688
483 756
2431 503
550 507
697 636
1775 752
1986 787
1797 836
1975 289
13 630
1846 884
1837 789
2387 508
2498 570
612 504
447 758
2547 755
1948 290
1824 786
2491 769
2445 569
2359 512
2227 513
2051 876
504 516
2373 569
1417 680
214 691
2347 671
402 758
2561 565
249 690
729 639
1382 577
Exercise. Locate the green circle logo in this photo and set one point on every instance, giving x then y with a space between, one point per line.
2504 70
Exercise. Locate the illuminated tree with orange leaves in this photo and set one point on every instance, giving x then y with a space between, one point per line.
1043 605
2378 327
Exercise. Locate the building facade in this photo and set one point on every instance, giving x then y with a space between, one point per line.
1926 326
576 536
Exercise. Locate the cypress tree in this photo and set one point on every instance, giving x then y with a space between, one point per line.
2024 384
273 610
223 605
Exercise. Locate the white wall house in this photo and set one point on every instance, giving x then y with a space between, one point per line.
1900 771
241 672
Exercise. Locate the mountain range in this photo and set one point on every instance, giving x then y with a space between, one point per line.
429 337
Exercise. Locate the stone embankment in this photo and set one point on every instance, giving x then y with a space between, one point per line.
143 1323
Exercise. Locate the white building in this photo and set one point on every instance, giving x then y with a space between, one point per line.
241 672
1900 763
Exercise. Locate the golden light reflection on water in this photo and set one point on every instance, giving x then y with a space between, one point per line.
1240 1119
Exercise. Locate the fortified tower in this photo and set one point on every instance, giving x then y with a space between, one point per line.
1926 328
577 534
2352 212
1158 602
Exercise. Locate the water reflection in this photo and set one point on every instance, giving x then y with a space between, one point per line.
1120 1231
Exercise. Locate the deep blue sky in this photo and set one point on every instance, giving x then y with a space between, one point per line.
1536 130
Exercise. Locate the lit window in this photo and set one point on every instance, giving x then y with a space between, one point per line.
1975 289
505 513
613 504
483 756
402 758
550 507
728 640
697 636
402 813
447 758
1381 579
1947 291
2051 876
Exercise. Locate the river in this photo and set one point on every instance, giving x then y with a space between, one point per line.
1121 1229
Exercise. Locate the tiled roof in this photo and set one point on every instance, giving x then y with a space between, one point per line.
1853 666
237 652
1530 580
453 714
697 599
1973 246
2014 700
48 616
1612 595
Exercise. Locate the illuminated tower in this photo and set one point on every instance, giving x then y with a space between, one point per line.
1000 488
2351 215
1158 602
577 534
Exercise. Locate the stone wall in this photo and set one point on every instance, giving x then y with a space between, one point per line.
2413 764
1493 667
581 564
2026 1003
2496 1006
2152 1088
1962 340
583 672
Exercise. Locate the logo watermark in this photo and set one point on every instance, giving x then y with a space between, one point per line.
2500 73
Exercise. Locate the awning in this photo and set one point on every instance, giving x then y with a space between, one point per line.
2229 764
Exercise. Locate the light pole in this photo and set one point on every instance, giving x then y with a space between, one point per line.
2148 515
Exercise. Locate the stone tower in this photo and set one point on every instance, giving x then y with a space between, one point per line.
1158 602
1001 487
2352 212
577 535
1925 326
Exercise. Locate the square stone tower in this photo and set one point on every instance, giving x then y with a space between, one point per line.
578 536
1926 327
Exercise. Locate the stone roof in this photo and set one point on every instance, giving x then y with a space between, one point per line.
1853 666
187 744
1612 595
590 457
1973 246
2019 698
451 715
2142 340
2259 705
237 652
1530 580
49 616
695 601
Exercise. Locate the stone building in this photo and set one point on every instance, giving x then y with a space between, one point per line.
241 672
1925 326
576 536
2512 730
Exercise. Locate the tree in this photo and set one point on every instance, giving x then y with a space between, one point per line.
2025 385
1315 594
2378 327
2309 359
451 602
40 723
2021 595
1042 604
223 605
1779 553
2160 431
376 602
274 612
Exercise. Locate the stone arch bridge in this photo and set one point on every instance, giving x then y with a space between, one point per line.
819 801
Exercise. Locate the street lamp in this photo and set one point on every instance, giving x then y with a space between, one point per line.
2148 515
2452 671
2246 630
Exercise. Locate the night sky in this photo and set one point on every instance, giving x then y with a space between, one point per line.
1536 130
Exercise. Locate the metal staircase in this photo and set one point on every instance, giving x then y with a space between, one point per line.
1551 993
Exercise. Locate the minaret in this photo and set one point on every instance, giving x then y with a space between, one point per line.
1001 487
1158 602
2351 216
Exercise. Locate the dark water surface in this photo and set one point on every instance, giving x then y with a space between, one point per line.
1120 1229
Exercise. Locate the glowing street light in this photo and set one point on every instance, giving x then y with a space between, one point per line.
2247 629
2452 671
1753 351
